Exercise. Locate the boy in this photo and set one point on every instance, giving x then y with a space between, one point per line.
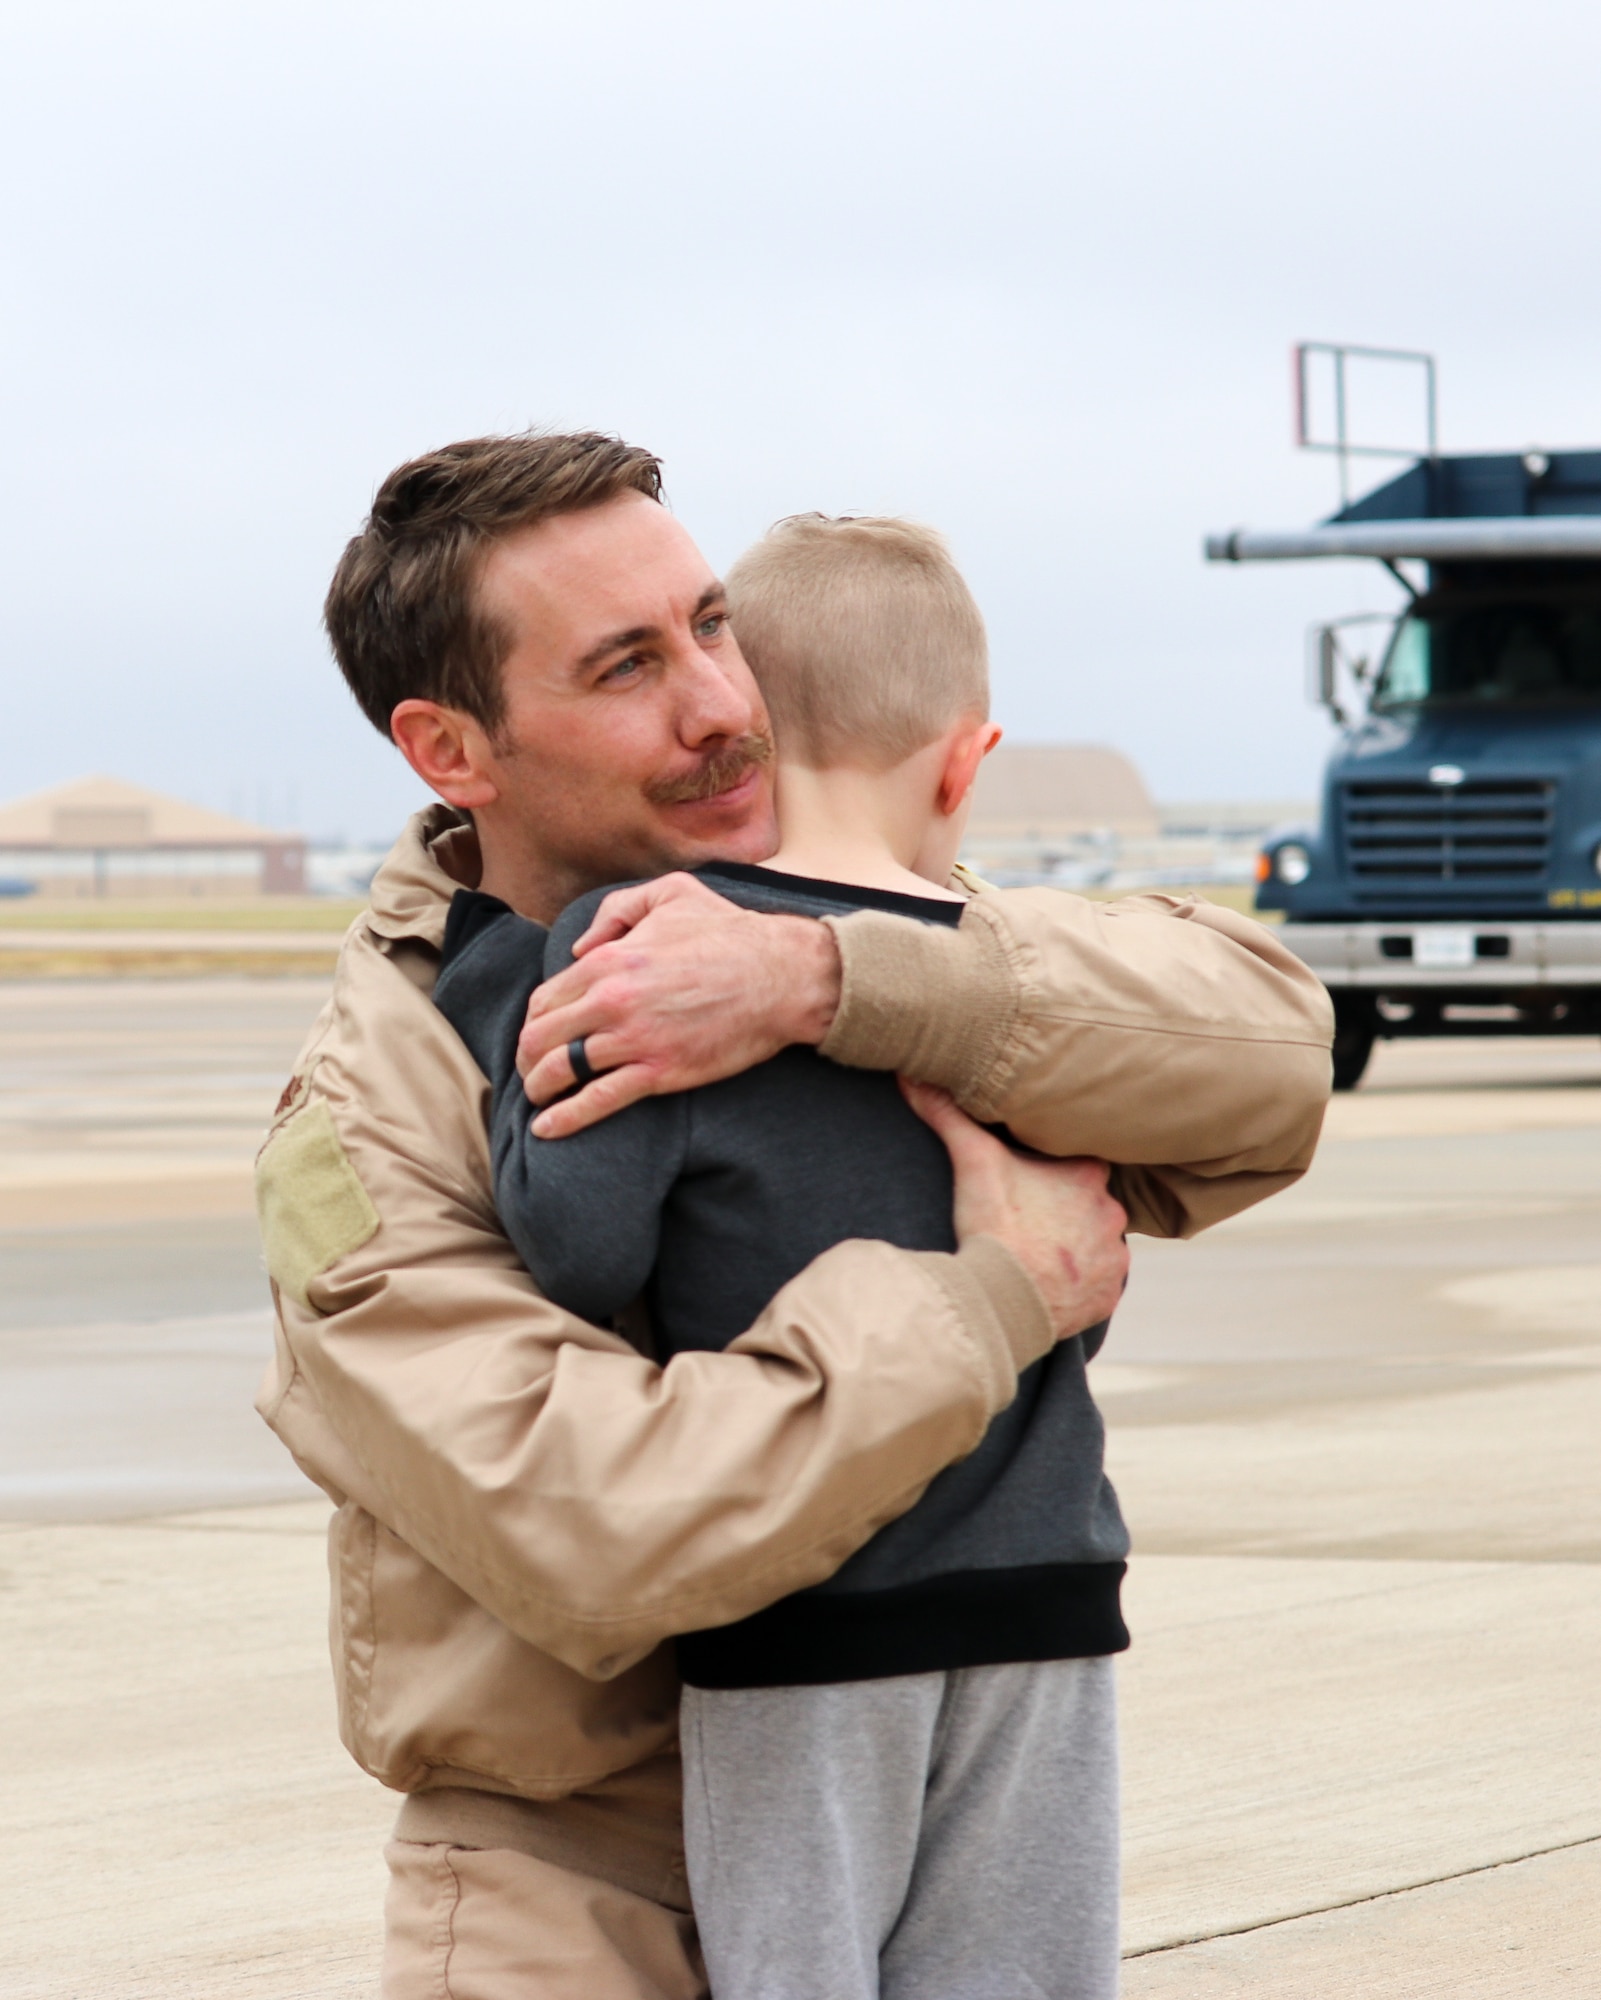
903 1781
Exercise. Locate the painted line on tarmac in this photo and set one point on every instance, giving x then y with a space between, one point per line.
1357 1902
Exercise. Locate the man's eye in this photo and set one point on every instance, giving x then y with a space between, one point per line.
711 625
623 670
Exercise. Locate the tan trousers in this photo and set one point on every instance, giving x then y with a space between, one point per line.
577 1899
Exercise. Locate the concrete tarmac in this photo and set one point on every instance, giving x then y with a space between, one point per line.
133 1309
1355 1433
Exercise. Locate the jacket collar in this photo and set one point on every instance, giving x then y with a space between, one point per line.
436 855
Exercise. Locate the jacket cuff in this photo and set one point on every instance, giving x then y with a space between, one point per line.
999 1306
937 1004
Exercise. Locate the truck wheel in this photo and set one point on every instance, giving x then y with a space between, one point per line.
1353 1044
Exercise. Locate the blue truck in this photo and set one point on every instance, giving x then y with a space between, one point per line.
1453 883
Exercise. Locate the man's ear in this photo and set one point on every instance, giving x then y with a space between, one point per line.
971 743
448 750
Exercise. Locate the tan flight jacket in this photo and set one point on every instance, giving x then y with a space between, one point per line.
528 1507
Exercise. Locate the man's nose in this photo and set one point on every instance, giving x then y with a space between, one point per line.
712 702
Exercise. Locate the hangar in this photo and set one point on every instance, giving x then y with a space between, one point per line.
1049 792
103 837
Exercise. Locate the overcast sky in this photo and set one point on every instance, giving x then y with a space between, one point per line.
1028 271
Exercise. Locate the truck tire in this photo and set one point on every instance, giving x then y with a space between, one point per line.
1354 1035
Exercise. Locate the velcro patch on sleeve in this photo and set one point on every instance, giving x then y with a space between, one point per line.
312 1207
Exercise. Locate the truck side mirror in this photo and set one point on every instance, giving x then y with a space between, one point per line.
1327 659
1327 655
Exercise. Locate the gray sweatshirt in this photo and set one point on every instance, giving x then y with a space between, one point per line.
706 1203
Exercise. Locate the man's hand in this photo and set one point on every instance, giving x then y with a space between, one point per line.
673 986
1055 1216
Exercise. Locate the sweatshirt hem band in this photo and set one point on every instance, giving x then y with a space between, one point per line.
974 1618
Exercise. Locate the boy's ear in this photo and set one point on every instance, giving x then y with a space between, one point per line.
970 745
448 750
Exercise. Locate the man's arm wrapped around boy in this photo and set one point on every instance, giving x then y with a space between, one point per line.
1179 1040
593 1502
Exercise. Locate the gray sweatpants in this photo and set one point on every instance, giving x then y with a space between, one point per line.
949 1836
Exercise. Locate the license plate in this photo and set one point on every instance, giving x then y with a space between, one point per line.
1442 948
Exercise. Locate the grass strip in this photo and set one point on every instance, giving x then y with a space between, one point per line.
91 964
267 913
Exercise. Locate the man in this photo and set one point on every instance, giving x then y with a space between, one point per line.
528 1507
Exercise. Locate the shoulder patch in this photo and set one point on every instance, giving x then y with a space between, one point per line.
312 1207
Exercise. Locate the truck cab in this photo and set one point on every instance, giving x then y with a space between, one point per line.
1453 882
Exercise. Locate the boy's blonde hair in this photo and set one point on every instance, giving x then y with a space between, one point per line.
863 638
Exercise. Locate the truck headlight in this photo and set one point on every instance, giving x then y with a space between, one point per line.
1292 863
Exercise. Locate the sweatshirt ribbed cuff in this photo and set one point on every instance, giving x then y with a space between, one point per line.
999 1306
934 1003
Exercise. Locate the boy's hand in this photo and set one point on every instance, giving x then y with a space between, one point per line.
673 986
1055 1216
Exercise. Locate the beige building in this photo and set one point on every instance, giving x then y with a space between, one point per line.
101 837
1041 793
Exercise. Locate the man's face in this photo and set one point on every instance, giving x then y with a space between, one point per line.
634 738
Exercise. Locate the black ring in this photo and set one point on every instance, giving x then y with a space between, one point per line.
584 1070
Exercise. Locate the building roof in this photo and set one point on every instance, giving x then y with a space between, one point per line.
107 812
1039 790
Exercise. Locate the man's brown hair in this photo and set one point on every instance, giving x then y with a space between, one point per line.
402 611
864 639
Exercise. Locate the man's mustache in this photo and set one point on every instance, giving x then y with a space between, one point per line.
720 772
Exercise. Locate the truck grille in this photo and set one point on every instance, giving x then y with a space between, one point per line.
1487 829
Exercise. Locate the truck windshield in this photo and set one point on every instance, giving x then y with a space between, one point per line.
1508 650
